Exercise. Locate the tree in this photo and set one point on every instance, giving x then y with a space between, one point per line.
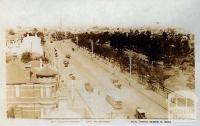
45 60
41 35
26 57
11 32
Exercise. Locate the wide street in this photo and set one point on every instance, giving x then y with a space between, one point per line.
86 69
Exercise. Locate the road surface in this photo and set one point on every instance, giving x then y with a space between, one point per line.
83 67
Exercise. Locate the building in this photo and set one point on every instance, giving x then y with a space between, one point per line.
14 40
182 105
29 43
31 89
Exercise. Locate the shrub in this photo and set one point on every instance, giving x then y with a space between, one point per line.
26 57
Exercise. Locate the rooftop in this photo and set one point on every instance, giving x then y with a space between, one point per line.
46 71
16 73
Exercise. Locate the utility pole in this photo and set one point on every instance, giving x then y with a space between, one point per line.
130 54
77 41
31 46
130 64
92 47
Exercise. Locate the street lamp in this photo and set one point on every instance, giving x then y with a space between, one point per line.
77 41
130 54
130 64
92 46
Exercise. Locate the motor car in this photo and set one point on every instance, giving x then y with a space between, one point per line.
68 56
66 63
140 113
114 100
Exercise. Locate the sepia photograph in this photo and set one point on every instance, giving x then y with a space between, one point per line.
99 61
100 73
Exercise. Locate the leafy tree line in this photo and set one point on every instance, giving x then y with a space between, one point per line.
61 35
166 47
171 48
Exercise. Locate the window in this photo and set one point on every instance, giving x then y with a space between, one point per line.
47 91
42 112
41 91
17 91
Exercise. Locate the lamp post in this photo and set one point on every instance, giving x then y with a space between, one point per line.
130 54
92 47
77 41
130 64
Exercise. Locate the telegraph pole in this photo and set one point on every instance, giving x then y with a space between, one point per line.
77 41
130 64
130 54
92 47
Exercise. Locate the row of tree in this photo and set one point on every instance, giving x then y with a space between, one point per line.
56 36
151 49
158 47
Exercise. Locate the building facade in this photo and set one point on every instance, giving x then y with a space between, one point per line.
31 92
25 44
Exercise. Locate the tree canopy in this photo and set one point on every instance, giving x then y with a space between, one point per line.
26 57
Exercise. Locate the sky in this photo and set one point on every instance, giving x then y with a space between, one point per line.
180 13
